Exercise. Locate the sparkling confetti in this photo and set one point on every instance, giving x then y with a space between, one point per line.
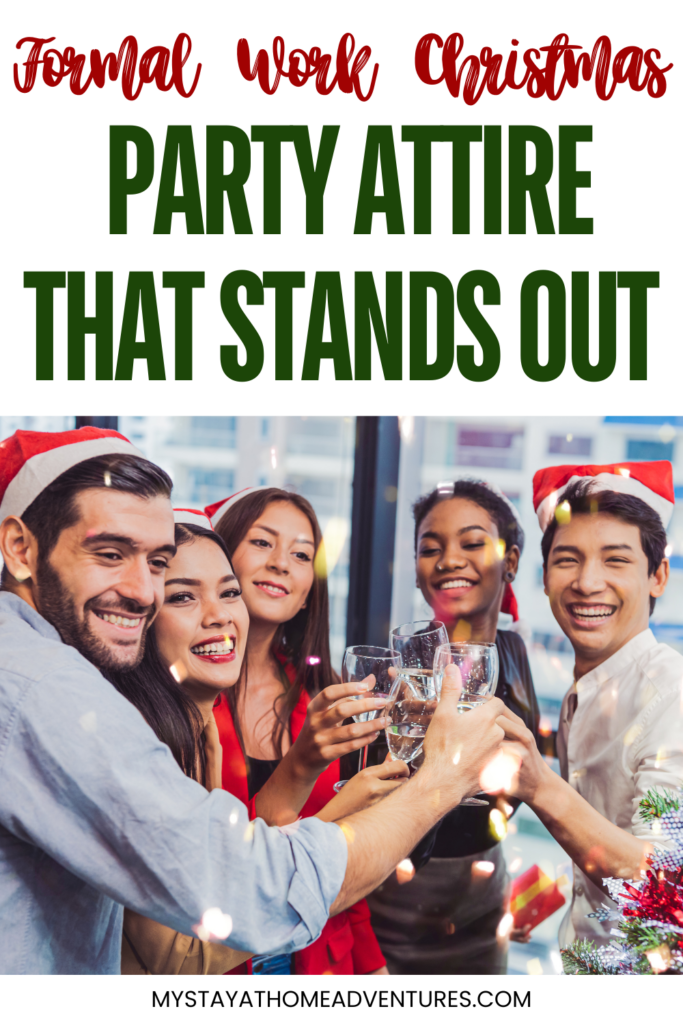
330 550
505 926
483 869
660 958
107 478
273 458
534 966
349 834
498 774
313 659
632 734
623 471
545 727
178 671
405 871
249 832
406 424
234 817
563 513
498 826
213 925
515 865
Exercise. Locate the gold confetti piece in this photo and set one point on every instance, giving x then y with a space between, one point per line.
483 869
498 826
563 513
349 834
660 958
107 478
249 832
505 926
178 671
332 545
534 966
632 734
515 865
405 871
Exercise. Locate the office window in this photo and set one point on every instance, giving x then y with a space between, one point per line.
489 447
639 450
568 444
209 485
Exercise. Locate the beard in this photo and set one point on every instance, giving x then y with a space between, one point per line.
58 607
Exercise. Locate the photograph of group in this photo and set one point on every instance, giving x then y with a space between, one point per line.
341 695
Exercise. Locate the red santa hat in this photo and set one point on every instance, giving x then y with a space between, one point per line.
193 517
30 461
652 482
216 511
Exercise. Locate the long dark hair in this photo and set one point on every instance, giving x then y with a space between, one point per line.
304 641
171 713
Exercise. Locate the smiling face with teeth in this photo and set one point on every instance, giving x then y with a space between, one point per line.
460 564
599 585
274 564
103 581
201 630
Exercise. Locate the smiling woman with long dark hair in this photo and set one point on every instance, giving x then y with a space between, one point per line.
273 537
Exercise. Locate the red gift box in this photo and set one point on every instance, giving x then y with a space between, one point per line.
535 896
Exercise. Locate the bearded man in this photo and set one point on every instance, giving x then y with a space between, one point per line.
94 811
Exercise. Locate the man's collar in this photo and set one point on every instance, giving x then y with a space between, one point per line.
618 661
12 604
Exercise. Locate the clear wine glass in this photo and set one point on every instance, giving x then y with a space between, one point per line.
478 665
360 662
414 697
413 702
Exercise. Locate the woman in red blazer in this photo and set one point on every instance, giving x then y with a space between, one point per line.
275 542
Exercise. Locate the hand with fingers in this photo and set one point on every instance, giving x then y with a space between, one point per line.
521 745
458 747
365 789
324 737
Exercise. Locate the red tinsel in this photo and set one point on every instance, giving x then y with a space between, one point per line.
660 899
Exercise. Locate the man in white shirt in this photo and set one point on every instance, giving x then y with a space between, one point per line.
621 724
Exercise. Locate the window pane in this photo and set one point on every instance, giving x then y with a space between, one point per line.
640 450
567 444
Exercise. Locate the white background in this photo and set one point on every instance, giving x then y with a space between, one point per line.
55 211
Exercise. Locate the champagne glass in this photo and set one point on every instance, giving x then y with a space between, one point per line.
360 662
413 702
414 697
478 665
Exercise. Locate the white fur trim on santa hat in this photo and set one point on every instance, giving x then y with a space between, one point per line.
192 516
41 470
233 499
623 483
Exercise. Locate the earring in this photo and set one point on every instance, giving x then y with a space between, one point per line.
22 575
509 576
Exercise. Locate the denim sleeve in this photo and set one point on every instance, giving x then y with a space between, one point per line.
85 779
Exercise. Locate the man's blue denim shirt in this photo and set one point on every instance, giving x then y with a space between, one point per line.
95 815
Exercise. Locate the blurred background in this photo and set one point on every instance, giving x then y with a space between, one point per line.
362 476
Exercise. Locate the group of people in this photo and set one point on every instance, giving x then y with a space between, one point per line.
171 723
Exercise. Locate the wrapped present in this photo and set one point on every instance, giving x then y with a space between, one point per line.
535 896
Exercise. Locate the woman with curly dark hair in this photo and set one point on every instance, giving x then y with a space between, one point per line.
468 542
